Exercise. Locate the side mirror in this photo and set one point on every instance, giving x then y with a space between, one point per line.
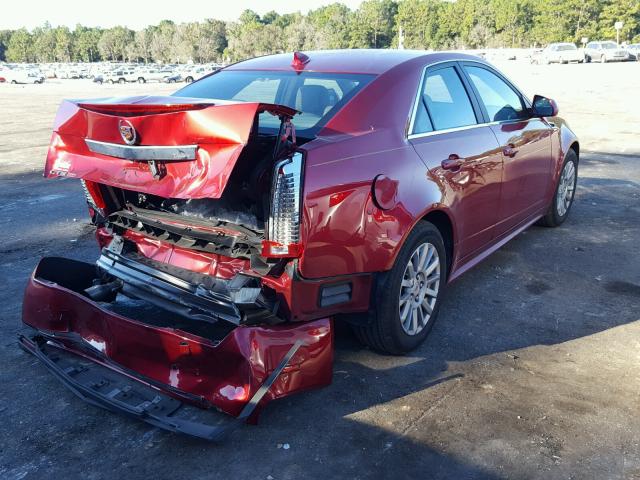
544 107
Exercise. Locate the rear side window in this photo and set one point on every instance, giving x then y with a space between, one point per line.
444 103
501 101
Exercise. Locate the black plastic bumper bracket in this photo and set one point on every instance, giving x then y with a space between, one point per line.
106 388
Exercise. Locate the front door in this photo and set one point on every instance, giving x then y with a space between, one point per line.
525 143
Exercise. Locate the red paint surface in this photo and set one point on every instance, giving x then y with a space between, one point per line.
242 360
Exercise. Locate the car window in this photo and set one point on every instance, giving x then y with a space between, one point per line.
500 100
318 96
446 102
260 90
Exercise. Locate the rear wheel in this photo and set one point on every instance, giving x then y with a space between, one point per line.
603 59
408 296
141 80
565 191
122 80
188 79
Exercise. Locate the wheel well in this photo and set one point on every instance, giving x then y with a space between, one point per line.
443 223
576 148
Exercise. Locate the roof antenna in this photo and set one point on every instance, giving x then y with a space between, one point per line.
299 61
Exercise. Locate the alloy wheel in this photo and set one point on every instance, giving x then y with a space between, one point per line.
565 188
419 289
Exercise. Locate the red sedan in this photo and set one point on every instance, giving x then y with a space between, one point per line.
241 216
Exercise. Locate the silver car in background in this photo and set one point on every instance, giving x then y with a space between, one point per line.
606 51
560 53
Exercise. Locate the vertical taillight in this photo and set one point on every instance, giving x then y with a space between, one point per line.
284 221
94 197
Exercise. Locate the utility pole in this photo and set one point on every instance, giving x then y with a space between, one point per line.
618 26
400 39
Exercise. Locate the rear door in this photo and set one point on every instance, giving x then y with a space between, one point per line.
525 144
461 154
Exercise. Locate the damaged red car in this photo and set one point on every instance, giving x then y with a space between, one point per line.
241 216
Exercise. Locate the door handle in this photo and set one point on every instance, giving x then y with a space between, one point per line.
454 162
509 150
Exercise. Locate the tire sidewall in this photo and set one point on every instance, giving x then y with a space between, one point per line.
558 219
387 308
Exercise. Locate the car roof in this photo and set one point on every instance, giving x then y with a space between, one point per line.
371 61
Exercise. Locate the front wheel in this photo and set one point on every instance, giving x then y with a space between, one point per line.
603 59
565 191
142 80
408 296
188 79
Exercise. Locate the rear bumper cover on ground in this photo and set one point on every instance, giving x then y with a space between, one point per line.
225 374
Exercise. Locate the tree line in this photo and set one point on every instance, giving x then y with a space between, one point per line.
425 24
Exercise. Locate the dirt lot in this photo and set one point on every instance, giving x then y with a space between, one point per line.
532 370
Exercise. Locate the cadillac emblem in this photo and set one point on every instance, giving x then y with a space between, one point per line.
127 132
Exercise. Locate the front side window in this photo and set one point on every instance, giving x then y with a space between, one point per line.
444 103
500 100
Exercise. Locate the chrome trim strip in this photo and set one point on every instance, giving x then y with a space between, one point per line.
449 130
143 153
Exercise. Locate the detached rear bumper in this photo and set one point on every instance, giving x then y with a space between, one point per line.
237 371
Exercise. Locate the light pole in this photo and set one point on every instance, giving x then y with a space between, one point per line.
618 26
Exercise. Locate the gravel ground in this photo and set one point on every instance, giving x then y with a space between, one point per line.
530 372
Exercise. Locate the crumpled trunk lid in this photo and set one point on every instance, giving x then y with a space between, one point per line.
167 146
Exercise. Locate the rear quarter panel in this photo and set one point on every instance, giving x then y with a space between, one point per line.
344 231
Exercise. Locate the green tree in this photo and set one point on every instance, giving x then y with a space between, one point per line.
333 24
5 37
64 44
626 11
44 43
85 43
20 48
372 25
114 43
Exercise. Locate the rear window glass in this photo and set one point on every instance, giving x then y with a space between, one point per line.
319 96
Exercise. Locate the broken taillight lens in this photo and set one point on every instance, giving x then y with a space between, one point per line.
284 220
94 196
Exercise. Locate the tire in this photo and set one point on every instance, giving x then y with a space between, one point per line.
141 80
384 330
558 213
121 80
188 79
13 82
603 59
587 59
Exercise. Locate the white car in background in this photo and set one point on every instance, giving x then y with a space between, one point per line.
196 72
153 75
607 51
121 75
19 75
560 53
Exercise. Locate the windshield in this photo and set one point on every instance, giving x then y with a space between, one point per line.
566 47
609 46
319 96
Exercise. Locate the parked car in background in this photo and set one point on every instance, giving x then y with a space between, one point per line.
20 75
120 76
153 75
633 51
334 186
603 52
560 53
195 73
173 78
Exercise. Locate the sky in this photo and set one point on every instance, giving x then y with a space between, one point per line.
137 14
